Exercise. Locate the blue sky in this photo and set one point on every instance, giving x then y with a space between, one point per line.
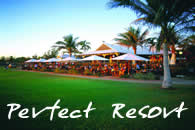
29 27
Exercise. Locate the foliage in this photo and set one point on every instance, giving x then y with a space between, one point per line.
57 70
63 71
99 74
132 38
144 76
50 53
125 76
87 72
43 69
15 61
35 56
163 14
84 45
71 45
72 71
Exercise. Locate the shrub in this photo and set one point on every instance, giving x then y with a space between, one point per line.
72 71
147 76
150 76
63 71
99 74
57 70
125 76
87 72
42 69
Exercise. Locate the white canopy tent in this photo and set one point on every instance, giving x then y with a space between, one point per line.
129 57
68 59
31 61
41 60
94 58
52 60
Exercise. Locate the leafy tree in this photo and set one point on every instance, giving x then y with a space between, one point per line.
162 13
2 60
11 59
20 60
35 56
132 38
50 53
188 42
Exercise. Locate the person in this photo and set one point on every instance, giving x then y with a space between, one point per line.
122 71
6 67
59 65
31 66
10 66
106 69
36 66
112 70
144 68
25 66
137 67
50 66
116 70
125 70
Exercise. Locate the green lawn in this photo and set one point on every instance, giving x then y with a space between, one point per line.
40 90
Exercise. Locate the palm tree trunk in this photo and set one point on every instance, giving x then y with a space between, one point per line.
167 82
70 53
134 48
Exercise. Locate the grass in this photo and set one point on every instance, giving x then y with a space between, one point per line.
40 90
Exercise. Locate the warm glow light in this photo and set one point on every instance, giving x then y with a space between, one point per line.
180 52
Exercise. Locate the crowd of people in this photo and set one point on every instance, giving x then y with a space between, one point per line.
114 69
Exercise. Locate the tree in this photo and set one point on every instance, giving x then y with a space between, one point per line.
132 38
189 41
11 59
2 60
69 43
50 53
85 46
20 60
35 56
162 13
173 39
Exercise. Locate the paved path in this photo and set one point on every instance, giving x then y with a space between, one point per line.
175 81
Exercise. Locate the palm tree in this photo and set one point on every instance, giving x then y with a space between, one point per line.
132 38
162 13
188 41
173 39
84 45
69 43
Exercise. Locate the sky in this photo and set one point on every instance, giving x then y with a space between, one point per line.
29 27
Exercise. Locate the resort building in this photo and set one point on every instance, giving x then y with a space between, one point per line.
109 51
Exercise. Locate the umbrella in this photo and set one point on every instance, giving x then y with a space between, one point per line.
31 60
52 60
41 60
129 56
93 58
69 59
